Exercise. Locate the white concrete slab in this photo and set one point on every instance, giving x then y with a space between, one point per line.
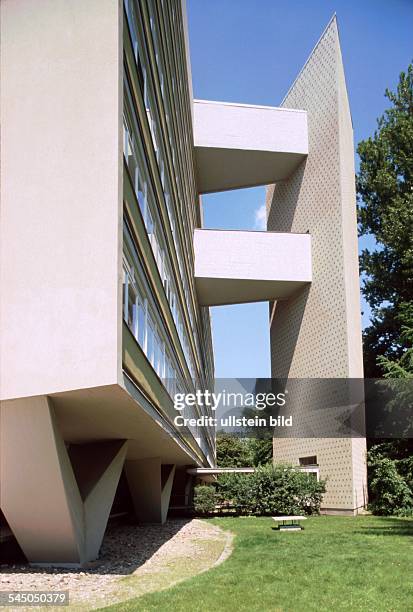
234 267
241 145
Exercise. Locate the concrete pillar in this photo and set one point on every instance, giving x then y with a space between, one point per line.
58 514
97 469
150 485
189 490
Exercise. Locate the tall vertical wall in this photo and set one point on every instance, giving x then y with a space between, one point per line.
317 333
61 194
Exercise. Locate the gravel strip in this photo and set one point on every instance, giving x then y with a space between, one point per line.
134 559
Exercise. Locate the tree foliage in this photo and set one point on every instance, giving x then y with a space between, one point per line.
232 451
385 190
389 491
243 452
390 471
401 367
260 451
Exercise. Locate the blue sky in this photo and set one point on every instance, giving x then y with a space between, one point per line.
250 51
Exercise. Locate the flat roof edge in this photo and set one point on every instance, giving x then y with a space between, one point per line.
258 106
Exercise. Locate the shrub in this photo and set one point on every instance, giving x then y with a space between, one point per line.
390 492
204 499
312 491
271 490
235 490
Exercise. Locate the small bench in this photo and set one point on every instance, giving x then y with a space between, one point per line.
289 523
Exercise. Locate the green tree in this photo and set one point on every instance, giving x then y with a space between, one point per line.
401 367
232 451
260 451
385 190
389 491
243 452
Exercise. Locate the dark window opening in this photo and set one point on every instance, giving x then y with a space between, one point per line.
308 460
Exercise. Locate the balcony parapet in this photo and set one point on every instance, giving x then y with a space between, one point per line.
235 267
241 145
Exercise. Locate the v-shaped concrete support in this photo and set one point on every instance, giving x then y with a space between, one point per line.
97 468
56 503
150 484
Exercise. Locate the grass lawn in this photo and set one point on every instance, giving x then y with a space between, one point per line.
336 563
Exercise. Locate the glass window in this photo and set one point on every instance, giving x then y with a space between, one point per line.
149 223
131 158
155 140
132 295
150 348
162 172
165 276
130 13
158 354
141 323
308 460
143 189
125 140
125 294
162 87
141 193
161 264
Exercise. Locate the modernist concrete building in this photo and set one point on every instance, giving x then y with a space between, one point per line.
107 274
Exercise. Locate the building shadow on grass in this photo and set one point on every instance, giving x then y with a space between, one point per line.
391 526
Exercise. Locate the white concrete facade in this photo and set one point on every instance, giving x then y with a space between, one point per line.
232 267
61 195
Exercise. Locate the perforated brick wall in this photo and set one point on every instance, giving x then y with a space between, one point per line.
317 334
